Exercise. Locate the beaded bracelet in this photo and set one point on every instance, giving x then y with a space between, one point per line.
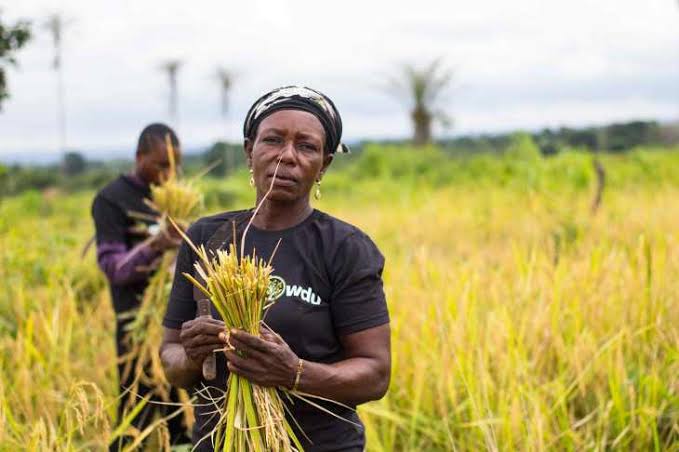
300 367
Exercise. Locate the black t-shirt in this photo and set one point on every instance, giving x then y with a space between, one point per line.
326 283
111 210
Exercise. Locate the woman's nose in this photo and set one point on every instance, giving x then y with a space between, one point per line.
288 152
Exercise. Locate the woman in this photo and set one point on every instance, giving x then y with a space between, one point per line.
329 313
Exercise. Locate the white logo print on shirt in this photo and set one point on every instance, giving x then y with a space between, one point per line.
278 287
307 294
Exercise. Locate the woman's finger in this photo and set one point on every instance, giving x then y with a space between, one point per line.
234 369
254 377
208 326
202 321
269 334
249 352
199 353
201 326
211 348
250 365
204 339
251 341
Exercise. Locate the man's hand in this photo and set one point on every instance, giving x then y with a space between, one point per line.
165 240
265 360
200 337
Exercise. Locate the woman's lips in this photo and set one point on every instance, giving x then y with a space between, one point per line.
284 181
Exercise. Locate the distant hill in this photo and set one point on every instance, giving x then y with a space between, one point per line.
46 158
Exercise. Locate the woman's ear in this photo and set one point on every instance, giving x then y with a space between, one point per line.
247 150
327 160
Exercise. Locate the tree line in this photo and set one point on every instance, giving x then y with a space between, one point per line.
617 137
75 171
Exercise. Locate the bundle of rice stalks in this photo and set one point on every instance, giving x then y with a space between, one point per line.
175 198
251 417
182 201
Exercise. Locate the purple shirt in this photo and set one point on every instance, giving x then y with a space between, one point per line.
123 266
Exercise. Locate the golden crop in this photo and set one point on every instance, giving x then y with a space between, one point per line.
520 320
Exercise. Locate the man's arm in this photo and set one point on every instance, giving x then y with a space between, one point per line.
120 264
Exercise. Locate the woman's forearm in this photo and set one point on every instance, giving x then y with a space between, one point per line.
180 371
352 381
362 376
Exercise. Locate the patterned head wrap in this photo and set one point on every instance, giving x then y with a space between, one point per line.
299 98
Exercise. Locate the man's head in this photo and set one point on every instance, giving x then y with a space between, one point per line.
152 160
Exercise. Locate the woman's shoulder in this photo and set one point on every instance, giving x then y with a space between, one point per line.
348 250
203 228
339 231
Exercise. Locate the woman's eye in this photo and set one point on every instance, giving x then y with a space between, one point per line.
308 146
272 140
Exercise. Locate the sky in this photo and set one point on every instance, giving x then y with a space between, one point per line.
525 64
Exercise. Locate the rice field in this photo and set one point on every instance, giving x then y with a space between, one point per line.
520 319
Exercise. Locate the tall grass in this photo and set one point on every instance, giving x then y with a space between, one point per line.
57 360
507 339
520 321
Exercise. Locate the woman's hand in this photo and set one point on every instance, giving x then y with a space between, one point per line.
265 360
200 337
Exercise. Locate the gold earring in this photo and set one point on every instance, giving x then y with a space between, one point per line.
317 193
252 178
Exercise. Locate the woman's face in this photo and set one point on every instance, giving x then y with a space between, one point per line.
297 138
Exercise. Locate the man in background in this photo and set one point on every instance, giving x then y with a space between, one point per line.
123 222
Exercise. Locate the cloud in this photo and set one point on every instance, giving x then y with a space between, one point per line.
524 64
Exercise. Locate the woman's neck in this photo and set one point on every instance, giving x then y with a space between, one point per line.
279 215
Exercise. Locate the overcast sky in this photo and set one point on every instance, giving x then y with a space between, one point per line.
522 64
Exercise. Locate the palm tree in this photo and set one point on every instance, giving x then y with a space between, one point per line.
56 26
422 89
172 68
225 80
